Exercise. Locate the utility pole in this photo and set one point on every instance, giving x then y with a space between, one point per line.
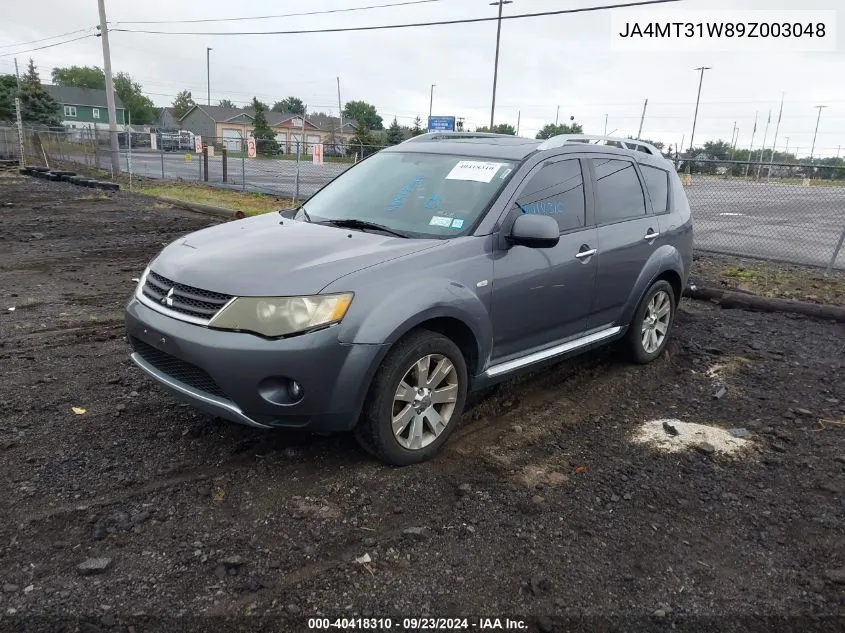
519 117
818 118
17 74
208 71
642 118
104 34
777 127
431 101
695 116
605 125
557 116
763 148
339 109
751 147
500 4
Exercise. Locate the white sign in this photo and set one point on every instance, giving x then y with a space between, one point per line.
153 141
198 144
479 171
318 154
250 148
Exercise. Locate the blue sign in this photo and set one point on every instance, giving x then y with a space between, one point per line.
441 124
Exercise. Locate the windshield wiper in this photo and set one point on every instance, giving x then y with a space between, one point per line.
354 223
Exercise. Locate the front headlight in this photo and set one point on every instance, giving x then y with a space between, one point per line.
280 316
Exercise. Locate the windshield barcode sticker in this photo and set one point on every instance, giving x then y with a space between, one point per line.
439 220
479 171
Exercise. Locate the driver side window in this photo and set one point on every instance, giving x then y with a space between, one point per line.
556 190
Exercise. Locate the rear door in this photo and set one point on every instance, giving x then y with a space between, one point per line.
628 234
543 295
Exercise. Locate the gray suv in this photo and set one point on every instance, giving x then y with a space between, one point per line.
433 268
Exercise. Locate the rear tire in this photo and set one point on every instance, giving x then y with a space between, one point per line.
415 401
651 326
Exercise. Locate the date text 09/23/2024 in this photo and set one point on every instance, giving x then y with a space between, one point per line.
417 624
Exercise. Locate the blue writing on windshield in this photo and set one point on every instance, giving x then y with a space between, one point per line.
399 198
433 202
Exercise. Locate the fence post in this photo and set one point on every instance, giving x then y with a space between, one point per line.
225 158
296 186
20 131
836 252
161 149
205 162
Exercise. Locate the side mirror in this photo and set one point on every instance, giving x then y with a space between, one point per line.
534 231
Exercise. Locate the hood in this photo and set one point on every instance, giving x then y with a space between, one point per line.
268 255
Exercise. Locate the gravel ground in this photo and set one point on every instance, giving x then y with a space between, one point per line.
133 512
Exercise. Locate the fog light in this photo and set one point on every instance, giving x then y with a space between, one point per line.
295 390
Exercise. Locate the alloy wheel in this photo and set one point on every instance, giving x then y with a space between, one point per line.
424 401
656 321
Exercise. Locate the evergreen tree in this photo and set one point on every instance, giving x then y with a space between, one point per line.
417 129
265 137
8 92
394 133
183 102
37 105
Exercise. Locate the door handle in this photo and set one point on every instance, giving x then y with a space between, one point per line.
588 253
651 235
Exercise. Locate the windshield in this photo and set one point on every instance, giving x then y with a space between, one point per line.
419 195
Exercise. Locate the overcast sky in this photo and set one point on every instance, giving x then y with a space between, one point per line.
546 62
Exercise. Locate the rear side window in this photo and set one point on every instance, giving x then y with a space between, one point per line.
657 183
556 190
619 193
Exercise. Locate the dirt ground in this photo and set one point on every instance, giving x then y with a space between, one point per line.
543 508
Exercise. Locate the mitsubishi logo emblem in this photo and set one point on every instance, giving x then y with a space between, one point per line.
168 298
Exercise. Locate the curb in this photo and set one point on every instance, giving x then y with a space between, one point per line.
205 209
746 301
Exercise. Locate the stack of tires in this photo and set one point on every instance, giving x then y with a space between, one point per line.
68 176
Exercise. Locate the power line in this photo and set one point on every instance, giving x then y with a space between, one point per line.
76 39
382 27
44 39
281 15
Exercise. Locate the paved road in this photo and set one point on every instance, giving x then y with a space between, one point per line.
774 221
769 220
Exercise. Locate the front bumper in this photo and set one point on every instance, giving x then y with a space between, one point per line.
226 373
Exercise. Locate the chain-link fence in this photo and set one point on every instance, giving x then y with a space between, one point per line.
791 213
9 145
786 212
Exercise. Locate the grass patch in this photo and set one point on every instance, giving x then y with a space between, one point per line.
249 202
93 196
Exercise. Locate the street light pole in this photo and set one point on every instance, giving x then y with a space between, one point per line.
557 116
695 116
208 71
500 4
431 101
812 149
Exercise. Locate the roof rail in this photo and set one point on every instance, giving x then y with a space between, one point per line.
625 143
442 136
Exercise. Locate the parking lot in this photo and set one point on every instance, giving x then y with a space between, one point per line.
544 506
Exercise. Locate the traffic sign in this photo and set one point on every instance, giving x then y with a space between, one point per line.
441 124
317 152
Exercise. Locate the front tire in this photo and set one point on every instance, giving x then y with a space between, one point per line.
649 331
415 401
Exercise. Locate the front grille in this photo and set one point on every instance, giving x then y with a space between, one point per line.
194 302
177 368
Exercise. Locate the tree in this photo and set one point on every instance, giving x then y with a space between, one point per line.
501 128
140 106
394 133
417 129
551 130
265 137
364 114
183 102
226 103
36 103
80 77
293 105
8 92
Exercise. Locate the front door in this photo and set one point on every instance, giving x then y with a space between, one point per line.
544 295
628 234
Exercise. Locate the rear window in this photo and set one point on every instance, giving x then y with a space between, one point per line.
657 183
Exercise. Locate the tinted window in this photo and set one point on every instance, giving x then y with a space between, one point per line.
557 190
657 183
618 191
